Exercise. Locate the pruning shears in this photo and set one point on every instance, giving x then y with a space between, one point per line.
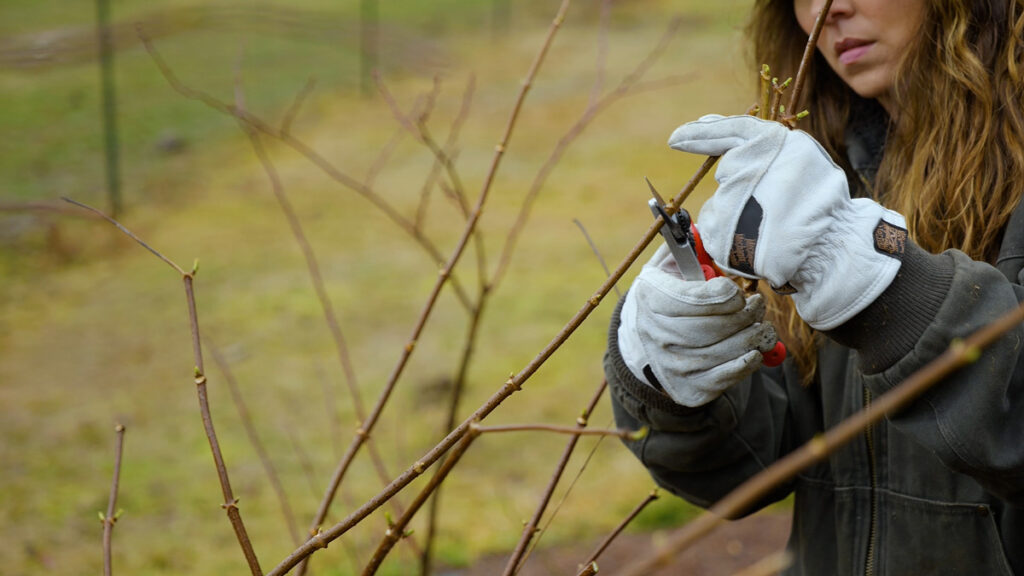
683 239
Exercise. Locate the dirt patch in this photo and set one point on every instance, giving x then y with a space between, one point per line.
729 549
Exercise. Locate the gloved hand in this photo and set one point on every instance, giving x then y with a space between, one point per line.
696 338
783 212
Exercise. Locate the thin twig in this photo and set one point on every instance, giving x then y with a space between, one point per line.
257 444
127 232
306 151
601 65
448 149
110 518
622 526
397 530
293 110
329 314
421 132
230 504
805 62
569 430
458 387
565 497
959 354
623 89
530 529
597 253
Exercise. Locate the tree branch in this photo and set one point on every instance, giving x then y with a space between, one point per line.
530 529
624 88
303 149
257 444
959 353
622 526
230 504
110 518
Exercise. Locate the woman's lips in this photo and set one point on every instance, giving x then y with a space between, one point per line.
851 49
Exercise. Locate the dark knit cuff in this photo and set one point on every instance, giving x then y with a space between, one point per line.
890 327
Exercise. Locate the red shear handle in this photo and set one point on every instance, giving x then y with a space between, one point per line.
771 358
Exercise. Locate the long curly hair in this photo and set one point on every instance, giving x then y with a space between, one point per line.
954 156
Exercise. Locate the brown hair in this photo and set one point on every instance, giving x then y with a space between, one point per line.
954 157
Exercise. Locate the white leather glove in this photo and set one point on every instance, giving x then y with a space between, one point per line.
783 212
697 338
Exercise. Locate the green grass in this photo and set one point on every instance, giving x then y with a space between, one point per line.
94 328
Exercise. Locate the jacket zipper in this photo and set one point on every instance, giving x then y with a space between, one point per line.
869 563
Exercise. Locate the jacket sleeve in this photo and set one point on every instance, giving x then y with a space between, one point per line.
701 454
974 419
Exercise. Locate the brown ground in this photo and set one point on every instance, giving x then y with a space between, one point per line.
729 549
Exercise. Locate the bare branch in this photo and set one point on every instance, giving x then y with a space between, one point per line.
127 232
449 153
530 529
624 88
397 530
458 387
303 149
257 444
330 317
959 354
385 154
422 134
597 253
230 502
601 65
622 526
293 110
805 62
619 433
110 518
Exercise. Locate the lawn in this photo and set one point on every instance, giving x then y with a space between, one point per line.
94 330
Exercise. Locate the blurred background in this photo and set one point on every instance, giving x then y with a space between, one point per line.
94 331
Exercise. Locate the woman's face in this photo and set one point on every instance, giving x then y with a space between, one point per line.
864 40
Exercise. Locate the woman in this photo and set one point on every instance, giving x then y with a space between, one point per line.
917 112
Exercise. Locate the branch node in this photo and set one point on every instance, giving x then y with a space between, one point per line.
968 354
595 300
500 148
229 505
318 539
637 434
200 378
419 467
581 421
818 446
410 346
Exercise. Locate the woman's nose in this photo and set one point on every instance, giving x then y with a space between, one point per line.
837 8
